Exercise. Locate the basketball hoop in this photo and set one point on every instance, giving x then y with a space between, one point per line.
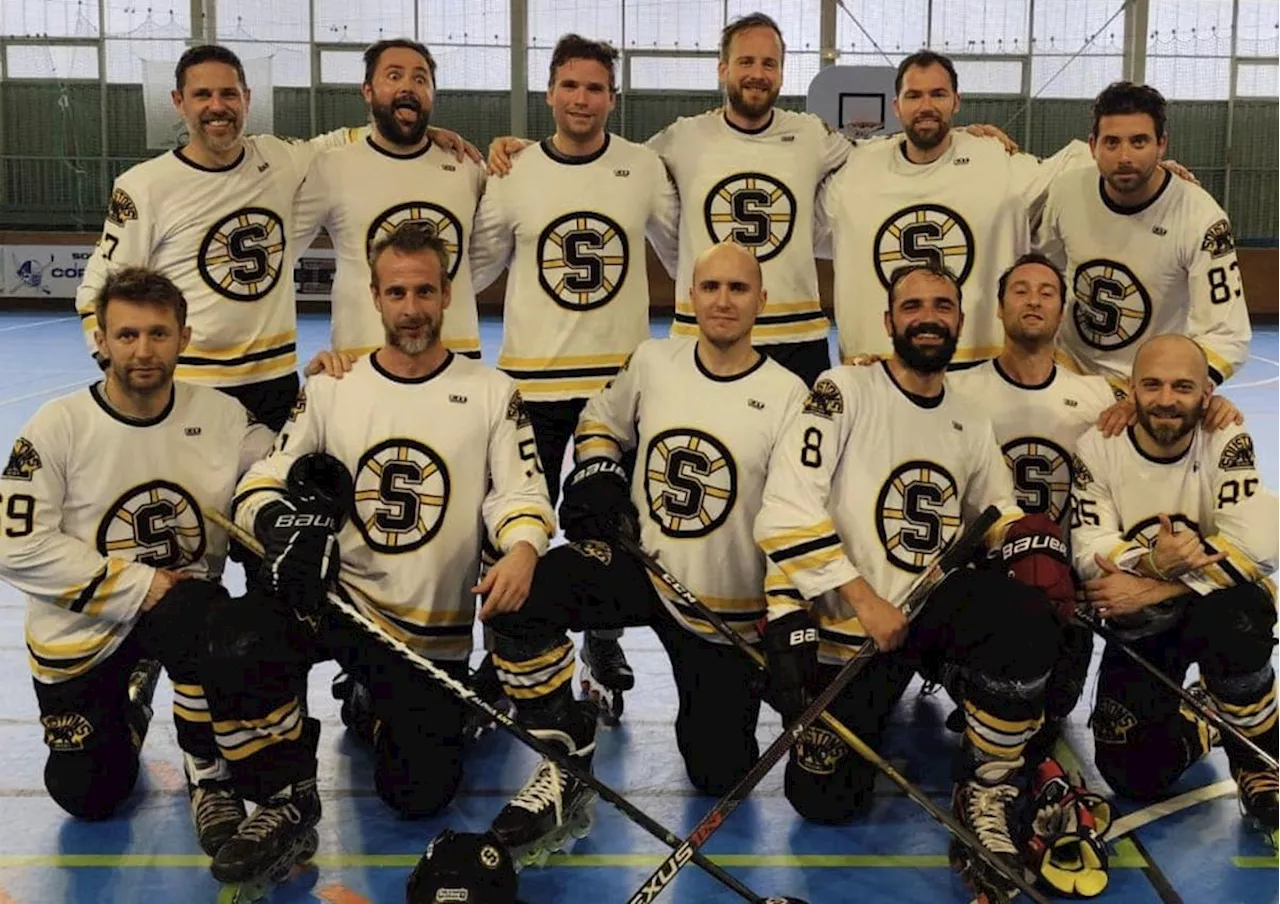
861 129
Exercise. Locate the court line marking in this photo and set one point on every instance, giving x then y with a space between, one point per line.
35 395
27 326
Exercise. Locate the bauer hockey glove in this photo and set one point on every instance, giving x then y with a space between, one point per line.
597 503
791 648
1035 554
300 550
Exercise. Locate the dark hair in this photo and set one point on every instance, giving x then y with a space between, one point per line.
925 59
142 286
1031 257
410 237
1120 98
207 53
939 270
741 24
576 47
374 52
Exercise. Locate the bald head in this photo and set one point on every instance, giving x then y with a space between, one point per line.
1172 350
727 294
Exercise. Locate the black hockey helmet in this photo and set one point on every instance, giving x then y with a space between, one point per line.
463 868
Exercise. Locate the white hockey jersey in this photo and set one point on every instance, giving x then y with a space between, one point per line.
439 463
573 230
94 502
1214 488
870 481
1037 427
758 189
225 238
1167 266
971 210
703 444
360 193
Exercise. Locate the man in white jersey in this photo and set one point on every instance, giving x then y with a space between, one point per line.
871 481
1144 253
571 221
105 537
954 200
442 458
702 416
1178 540
363 190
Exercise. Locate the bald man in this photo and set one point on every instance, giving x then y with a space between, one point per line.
1177 541
702 415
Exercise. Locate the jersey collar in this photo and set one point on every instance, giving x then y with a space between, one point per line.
549 149
918 400
99 392
177 152
729 379
393 155
1053 374
756 131
444 365
1138 208
1156 459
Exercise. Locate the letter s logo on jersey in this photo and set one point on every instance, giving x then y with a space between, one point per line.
242 254
754 210
583 259
402 492
923 234
1112 308
917 514
690 482
158 524
1041 475
438 221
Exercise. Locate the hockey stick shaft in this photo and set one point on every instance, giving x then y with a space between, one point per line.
472 699
955 557
855 743
1205 712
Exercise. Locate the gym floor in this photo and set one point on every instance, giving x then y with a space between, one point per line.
1199 853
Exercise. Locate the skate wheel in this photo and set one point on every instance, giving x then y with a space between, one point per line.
245 893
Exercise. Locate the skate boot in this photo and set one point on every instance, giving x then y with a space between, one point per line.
1257 788
216 809
552 805
357 705
486 683
987 805
141 690
280 835
605 676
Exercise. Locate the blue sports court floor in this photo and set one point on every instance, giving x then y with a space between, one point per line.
147 853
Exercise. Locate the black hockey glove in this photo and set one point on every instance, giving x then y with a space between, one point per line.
300 550
791 646
597 503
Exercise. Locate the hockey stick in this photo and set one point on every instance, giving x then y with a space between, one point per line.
1205 712
955 557
469 697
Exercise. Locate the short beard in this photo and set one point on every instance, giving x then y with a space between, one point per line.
390 128
1143 179
1170 436
123 380
923 360
739 104
928 142
411 345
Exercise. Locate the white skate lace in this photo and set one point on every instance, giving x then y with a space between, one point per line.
269 819
214 806
545 788
988 817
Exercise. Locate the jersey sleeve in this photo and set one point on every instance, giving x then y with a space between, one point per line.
128 237
492 238
301 434
663 227
990 483
835 149
607 426
1046 235
1245 519
1031 177
824 205
517 506
312 204
663 142
40 560
1218 320
793 527
1098 529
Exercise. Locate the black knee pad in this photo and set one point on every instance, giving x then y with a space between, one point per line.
255 627
1232 630
1067 680
415 783
716 771
91 784
825 782
1141 760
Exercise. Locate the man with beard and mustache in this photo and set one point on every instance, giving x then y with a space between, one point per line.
953 199
699 489
571 222
441 453
1177 540
1145 253
868 484
104 535
362 191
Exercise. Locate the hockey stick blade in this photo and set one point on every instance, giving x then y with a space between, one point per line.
959 553
472 699
1205 712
